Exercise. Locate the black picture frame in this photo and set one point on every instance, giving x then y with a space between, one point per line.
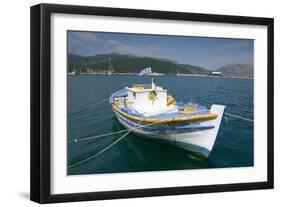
41 98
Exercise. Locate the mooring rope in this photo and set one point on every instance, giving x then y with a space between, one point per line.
239 117
100 152
112 144
97 136
108 134
125 130
103 150
91 105
233 115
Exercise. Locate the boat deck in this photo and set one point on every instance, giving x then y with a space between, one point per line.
201 113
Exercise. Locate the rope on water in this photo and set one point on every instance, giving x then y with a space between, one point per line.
97 154
232 115
103 150
112 144
226 120
125 130
99 102
91 105
239 117
97 136
108 134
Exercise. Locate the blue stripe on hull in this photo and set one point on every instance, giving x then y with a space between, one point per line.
198 150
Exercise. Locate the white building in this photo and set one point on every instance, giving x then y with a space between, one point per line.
216 73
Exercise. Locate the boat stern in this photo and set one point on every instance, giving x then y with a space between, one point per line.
211 137
202 142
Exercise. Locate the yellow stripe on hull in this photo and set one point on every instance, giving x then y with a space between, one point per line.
166 120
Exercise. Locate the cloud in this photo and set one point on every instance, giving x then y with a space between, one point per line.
197 52
235 46
216 61
143 51
113 42
85 36
88 43
229 53
91 37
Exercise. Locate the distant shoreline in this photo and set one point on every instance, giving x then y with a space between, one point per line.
161 74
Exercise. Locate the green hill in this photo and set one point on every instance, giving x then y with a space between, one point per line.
129 64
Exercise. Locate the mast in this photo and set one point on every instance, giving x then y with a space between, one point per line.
74 67
153 85
110 67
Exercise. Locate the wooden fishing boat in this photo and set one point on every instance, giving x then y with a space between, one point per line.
148 111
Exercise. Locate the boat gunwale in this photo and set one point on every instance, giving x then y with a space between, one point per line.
147 127
165 120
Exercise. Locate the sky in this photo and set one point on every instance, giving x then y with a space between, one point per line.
209 53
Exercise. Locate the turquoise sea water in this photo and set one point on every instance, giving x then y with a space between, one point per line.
89 115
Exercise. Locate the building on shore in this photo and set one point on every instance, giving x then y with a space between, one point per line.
216 73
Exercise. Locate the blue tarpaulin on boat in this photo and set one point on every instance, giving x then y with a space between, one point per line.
120 93
132 112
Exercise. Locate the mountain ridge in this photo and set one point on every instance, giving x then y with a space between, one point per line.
129 64
237 70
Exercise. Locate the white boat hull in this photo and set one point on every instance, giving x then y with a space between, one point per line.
200 141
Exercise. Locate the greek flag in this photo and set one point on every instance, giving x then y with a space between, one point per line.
145 71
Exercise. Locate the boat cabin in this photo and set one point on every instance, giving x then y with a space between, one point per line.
149 99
